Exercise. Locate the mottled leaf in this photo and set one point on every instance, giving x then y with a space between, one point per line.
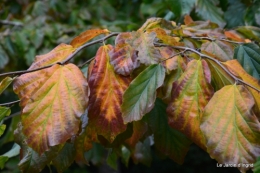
223 50
52 101
231 129
86 36
107 88
154 22
123 56
65 157
140 96
190 94
239 71
139 128
5 83
58 54
208 10
167 140
248 55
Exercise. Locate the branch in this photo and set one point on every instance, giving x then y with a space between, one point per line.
210 58
11 116
213 39
6 22
9 104
64 61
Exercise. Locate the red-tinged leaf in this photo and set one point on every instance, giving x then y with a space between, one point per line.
139 129
107 88
223 50
86 36
169 141
124 56
140 96
170 61
233 35
187 20
52 101
239 71
190 94
5 83
231 129
58 54
162 35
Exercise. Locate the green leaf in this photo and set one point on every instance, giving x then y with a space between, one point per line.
169 141
208 10
231 129
180 7
65 157
125 155
4 111
3 58
235 13
15 150
3 160
248 55
2 129
256 168
5 83
140 96
112 160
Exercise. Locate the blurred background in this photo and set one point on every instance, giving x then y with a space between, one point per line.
30 27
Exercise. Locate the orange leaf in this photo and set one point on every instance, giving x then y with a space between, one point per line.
107 88
237 69
52 101
190 94
139 129
58 54
86 36
187 20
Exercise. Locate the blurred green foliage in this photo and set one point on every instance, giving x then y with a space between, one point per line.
30 27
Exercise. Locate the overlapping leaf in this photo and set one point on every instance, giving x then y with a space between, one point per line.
58 54
5 83
52 101
223 50
139 128
86 36
140 96
239 71
123 56
169 141
4 111
231 129
190 94
107 89
208 10
248 55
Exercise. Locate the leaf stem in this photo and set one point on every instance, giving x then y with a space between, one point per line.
210 58
101 40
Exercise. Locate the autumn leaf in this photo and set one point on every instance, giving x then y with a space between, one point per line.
107 88
190 94
58 54
167 140
5 83
86 36
239 71
139 129
123 55
248 55
223 50
154 22
140 96
52 101
231 129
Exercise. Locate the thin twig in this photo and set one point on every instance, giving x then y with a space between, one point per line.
12 115
9 104
6 22
173 56
81 65
230 41
213 39
64 61
210 58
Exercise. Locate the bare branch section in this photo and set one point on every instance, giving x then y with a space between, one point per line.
6 22
210 58
66 60
9 104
